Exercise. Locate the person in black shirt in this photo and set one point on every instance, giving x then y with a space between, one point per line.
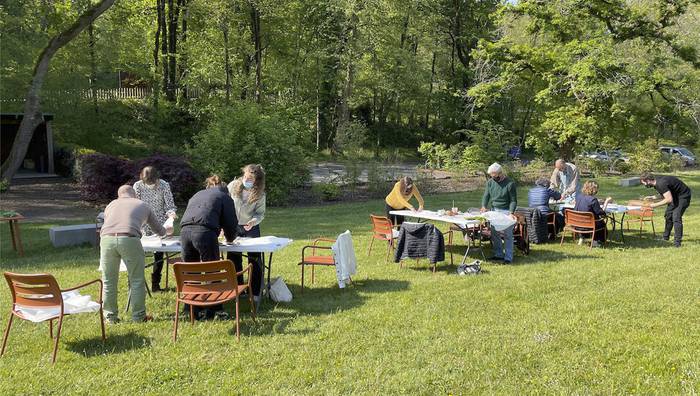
208 212
676 195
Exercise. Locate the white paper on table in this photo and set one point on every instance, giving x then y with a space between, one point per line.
73 303
499 220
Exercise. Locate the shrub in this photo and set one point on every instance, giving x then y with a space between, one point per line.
183 179
4 186
676 163
99 175
646 157
328 191
243 134
350 136
622 166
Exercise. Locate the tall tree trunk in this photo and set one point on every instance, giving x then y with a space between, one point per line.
255 30
156 52
430 91
163 44
93 67
185 11
32 105
171 87
227 62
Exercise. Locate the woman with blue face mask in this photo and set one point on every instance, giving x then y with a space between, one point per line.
248 193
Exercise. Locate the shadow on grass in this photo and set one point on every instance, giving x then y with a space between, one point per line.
118 343
315 301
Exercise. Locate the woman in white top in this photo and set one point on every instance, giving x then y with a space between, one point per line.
248 193
156 193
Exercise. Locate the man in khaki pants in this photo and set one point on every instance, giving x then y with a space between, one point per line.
120 239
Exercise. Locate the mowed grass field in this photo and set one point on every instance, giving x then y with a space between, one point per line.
565 320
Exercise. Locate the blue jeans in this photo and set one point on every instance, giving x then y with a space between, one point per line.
498 244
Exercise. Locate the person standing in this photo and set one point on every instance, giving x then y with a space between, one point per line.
565 178
208 212
676 195
120 240
398 198
500 195
156 193
248 194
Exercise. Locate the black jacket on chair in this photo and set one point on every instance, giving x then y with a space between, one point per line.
537 230
420 240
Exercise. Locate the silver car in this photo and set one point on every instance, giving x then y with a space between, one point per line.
685 154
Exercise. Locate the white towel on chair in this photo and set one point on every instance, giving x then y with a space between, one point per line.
344 256
73 303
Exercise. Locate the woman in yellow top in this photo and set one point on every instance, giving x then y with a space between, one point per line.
398 198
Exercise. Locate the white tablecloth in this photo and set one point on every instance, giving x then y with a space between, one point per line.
266 244
612 208
461 220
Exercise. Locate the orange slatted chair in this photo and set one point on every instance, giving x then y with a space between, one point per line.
581 223
41 291
316 259
382 229
641 216
520 237
209 283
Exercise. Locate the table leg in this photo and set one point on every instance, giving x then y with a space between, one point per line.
269 272
12 234
18 237
622 227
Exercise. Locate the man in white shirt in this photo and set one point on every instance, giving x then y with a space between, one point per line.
565 178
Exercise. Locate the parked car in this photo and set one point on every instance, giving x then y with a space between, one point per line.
686 155
596 155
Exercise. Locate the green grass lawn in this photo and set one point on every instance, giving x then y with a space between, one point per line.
624 319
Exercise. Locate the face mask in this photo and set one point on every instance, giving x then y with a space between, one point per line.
498 178
248 184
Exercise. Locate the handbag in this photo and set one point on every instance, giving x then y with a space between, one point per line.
279 292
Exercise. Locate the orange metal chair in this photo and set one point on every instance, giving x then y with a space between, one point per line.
581 223
41 291
316 259
644 215
382 229
209 283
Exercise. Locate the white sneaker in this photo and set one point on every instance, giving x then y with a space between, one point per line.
580 241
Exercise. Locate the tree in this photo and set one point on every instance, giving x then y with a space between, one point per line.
32 107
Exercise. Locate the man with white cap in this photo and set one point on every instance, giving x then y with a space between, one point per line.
500 196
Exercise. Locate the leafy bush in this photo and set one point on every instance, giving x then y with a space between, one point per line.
183 179
99 175
676 163
4 185
243 134
350 136
328 191
646 157
622 166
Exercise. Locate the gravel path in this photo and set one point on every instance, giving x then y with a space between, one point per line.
42 200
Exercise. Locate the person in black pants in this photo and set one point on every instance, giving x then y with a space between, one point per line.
208 212
248 194
676 195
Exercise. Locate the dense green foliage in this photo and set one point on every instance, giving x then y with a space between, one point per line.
553 77
564 320
243 135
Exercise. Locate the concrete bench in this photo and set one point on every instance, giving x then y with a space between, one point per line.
630 182
73 235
